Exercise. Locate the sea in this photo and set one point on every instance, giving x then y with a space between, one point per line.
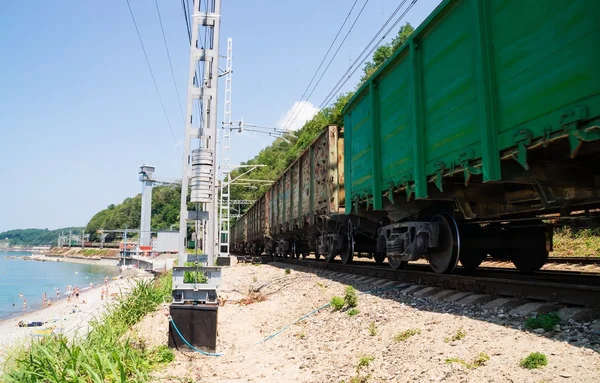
33 278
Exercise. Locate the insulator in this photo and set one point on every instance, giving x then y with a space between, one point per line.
202 176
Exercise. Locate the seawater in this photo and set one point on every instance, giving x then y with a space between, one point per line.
33 278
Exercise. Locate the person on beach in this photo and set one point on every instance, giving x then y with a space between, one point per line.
106 280
91 285
57 294
44 300
76 291
24 304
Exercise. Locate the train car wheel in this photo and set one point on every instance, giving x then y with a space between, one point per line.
471 260
379 257
397 264
348 250
317 256
303 255
444 257
529 261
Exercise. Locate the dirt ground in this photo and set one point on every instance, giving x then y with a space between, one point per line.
332 346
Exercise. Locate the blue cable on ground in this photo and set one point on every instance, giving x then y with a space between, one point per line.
283 328
188 343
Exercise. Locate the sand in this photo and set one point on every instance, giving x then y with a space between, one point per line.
69 318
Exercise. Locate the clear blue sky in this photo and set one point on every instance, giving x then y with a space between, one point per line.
79 113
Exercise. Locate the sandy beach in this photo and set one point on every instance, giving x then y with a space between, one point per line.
69 318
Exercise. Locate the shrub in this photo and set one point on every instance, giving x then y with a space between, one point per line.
350 297
545 321
534 360
364 361
337 303
288 271
353 311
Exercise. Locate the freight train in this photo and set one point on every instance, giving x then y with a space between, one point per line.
485 120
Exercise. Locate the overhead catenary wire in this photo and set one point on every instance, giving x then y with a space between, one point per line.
323 60
169 58
187 19
346 76
331 60
153 78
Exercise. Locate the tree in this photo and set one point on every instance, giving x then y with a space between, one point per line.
385 51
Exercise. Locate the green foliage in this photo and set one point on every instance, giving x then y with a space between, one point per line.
106 354
337 303
545 321
404 335
534 360
35 237
481 359
194 276
372 329
288 271
165 212
353 311
458 336
385 51
364 361
350 296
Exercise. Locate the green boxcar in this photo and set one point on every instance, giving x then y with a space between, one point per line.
478 84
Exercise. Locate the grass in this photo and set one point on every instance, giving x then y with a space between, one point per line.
404 335
353 311
287 271
545 321
106 354
194 276
479 361
458 336
534 360
350 297
364 361
568 242
372 329
337 303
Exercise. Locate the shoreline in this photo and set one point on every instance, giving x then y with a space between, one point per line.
68 259
67 318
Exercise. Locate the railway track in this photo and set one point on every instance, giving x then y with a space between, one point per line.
571 288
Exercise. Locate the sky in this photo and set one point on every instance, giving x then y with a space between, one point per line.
79 113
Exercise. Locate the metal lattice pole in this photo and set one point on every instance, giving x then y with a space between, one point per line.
199 163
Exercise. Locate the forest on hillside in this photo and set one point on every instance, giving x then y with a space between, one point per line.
34 237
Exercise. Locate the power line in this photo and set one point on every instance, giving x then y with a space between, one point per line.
331 60
187 20
170 64
323 60
153 78
346 76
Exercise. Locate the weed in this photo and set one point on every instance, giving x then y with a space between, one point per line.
353 311
321 285
479 361
545 321
458 336
364 361
350 297
288 271
254 279
372 329
404 335
194 276
252 297
301 335
534 360
337 303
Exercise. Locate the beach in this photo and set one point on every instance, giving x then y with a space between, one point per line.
68 318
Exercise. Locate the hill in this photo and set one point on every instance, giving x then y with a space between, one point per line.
34 237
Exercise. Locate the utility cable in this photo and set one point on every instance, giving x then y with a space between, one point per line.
346 76
331 60
187 20
170 64
323 60
153 78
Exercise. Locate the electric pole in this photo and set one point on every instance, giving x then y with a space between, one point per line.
199 163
